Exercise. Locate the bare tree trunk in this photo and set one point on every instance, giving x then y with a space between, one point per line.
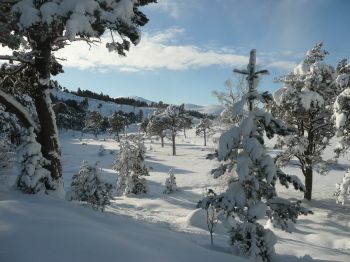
48 135
205 138
162 140
173 135
308 183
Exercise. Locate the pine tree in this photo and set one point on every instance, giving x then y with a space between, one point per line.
87 186
93 123
131 167
34 30
251 195
117 121
305 103
343 189
157 126
204 129
341 118
170 183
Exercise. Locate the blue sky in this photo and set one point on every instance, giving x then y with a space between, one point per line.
190 47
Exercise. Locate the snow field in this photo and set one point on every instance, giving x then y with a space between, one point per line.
157 226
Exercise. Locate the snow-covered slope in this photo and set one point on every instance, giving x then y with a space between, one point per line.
156 226
108 108
105 108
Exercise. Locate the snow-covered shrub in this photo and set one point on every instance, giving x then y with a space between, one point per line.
251 194
87 186
131 167
170 183
33 177
343 189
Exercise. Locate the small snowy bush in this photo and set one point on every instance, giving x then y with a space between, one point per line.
87 186
170 183
343 189
131 167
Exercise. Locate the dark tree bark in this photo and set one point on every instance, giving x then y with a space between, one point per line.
173 135
162 140
48 136
308 183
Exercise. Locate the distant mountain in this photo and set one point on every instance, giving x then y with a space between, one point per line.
209 110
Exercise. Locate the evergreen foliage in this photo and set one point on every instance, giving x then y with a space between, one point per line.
94 123
305 103
34 177
131 167
251 195
34 30
204 129
87 186
170 183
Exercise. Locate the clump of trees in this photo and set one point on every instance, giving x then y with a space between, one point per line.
35 38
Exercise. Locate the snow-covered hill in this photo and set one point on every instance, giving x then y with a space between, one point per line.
105 108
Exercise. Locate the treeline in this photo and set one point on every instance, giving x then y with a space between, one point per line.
120 100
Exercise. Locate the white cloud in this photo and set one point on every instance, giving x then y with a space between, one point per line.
156 51
282 65
160 50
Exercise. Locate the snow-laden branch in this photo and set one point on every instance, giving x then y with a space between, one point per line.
19 110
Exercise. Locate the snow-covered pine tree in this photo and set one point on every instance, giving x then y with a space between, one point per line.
305 103
341 108
117 123
251 195
170 183
157 126
35 29
33 177
204 128
131 167
87 186
342 191
143 126
93 123
341 118
9 137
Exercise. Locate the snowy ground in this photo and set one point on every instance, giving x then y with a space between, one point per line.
155 227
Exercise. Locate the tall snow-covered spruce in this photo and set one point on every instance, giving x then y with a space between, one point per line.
35 29
251 195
